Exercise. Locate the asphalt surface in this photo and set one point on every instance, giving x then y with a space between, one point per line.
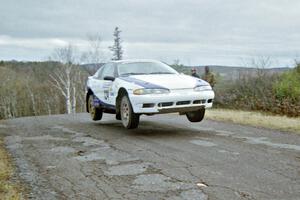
71 157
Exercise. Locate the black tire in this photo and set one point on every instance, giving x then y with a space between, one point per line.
196 116
118 116
130 120
96 113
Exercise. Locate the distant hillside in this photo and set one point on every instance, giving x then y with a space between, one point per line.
92 67
227 72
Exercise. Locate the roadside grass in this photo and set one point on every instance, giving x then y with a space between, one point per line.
8 190
257 119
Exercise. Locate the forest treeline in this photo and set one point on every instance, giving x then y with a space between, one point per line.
28 89
52 87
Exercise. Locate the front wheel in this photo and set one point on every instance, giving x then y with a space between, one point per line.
96 113
129 119
196 116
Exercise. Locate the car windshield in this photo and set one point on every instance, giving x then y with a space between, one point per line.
137 68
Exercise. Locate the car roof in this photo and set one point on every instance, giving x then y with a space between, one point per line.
134 61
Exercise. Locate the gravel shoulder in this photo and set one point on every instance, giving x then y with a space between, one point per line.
10 187
257 119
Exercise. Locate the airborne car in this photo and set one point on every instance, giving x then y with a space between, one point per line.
130 88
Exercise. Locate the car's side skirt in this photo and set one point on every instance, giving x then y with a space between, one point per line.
107 108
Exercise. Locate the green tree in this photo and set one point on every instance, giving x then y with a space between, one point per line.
117 49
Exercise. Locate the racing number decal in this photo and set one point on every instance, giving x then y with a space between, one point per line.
106 94
106 91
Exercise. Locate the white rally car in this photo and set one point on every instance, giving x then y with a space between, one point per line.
130 88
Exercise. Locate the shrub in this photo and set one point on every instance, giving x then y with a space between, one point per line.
288 87
275 93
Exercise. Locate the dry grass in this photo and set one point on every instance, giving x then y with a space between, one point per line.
255 119
8 190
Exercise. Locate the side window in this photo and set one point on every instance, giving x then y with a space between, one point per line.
107 70
99 72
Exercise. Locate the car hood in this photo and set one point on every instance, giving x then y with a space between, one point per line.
169 81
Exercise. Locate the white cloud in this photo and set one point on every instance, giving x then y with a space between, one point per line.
34 43
196 32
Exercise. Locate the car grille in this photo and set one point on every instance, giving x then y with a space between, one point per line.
180 103
165 104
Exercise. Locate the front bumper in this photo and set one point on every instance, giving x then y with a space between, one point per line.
175 101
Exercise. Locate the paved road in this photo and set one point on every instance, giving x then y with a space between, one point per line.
71 157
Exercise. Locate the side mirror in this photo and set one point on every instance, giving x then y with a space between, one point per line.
109 78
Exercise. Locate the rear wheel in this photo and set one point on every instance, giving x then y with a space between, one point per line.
129 119
96 113
196 116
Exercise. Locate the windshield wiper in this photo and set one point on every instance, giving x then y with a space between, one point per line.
131 73
161 73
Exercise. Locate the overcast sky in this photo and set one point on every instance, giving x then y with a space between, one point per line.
197 32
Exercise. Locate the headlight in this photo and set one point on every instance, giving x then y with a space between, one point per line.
144 91
202 88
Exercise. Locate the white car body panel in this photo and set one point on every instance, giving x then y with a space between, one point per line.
181 88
